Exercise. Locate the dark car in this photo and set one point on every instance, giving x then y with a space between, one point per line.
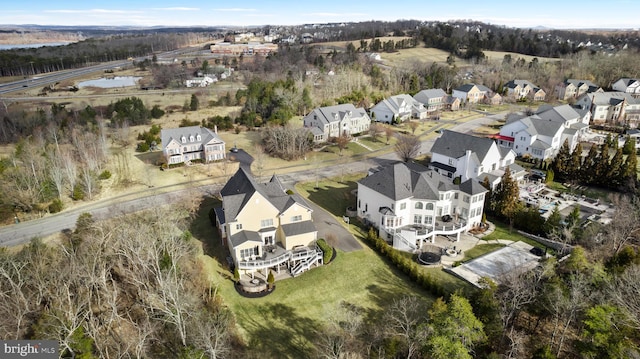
447 218
234 149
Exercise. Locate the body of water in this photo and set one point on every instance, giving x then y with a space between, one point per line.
31 46
117 81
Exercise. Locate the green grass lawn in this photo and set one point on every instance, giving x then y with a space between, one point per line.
374 145
331 195
503 232
481 250
284 323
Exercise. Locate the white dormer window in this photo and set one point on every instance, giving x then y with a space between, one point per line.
199 138
191 139
183 139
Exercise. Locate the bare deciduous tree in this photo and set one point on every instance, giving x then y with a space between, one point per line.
624 224
404 319
407 147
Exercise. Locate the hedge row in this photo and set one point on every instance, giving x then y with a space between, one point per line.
327 250
409 267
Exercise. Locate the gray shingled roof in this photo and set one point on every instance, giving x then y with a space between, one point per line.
294 229
425 95
206 135
241 186
410 180
472 187
465 88
454 144
612 98
329 114
579 83
522 83
245 236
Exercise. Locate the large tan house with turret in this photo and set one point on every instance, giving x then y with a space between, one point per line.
266 228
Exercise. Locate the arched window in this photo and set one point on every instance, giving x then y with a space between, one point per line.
418 205
429 207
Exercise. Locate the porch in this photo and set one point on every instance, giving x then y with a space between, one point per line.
282 261
413 236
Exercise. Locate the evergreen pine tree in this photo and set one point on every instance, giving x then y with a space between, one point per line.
560 164
553 224
506 202
629 145
587 171
602 166
575 163
615 175
630 171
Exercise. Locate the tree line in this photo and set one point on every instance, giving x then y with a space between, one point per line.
598 168
29 62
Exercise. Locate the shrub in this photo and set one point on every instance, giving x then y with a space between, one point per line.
78 193
408 267
104 175
56 206
327 250
236 275
270 279
142 147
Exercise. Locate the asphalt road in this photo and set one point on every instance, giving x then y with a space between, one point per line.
21 233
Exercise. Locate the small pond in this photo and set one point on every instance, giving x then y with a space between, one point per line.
111 82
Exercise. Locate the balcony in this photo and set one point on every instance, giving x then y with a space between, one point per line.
274 255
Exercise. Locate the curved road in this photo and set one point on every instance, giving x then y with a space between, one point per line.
22 232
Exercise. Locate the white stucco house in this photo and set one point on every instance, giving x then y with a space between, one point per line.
456 154
410 204
541 134
185 144
335 121
398 108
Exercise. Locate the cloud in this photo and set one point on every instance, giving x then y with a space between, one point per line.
176 8
236 9
91 11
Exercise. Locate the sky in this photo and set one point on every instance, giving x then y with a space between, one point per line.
561 14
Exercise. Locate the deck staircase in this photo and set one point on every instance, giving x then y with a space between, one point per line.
307 261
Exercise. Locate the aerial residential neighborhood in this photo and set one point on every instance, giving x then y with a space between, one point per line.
330 183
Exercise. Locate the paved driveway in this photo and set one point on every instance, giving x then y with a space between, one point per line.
327 224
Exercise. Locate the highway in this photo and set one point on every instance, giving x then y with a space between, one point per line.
42 80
